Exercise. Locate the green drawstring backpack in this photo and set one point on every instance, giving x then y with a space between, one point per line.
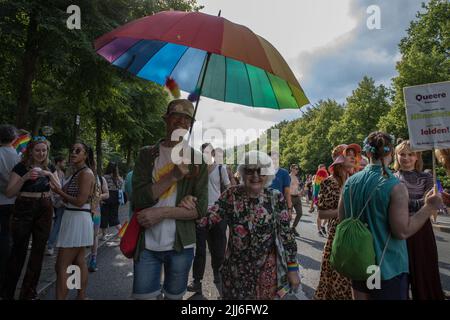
352 251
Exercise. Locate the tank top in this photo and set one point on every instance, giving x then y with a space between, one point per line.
72 188
376 216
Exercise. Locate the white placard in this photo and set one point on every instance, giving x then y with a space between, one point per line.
428 115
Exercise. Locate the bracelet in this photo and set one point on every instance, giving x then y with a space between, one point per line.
292 266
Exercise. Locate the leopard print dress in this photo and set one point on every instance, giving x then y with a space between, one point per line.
332 285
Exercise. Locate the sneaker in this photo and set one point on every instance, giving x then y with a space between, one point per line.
324 231
195 287
92 265
104 237
50 251
295 232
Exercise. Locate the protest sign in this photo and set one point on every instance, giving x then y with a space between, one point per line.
428 115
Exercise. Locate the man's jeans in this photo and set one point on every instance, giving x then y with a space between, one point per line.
147 274
217 241
55 229
5 238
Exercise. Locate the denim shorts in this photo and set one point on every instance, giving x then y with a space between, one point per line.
147 274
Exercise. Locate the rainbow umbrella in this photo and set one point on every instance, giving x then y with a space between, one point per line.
206 55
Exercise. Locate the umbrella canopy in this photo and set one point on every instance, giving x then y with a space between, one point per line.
241 67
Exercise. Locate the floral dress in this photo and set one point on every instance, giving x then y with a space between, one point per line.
250 267
332 285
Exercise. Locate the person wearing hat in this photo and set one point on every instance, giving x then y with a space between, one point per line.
355 150
162 178
332 285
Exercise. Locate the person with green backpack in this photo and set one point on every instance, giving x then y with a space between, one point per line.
374 223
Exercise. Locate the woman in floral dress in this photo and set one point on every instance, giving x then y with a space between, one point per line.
332 285
256 216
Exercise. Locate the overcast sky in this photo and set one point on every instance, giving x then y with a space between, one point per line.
326 43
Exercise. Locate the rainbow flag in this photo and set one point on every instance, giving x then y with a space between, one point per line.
122 230
21 142
321 175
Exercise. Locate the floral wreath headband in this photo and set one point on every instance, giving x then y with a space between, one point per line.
367 147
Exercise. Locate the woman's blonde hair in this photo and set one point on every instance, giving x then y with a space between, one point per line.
443 156
405 145
28 157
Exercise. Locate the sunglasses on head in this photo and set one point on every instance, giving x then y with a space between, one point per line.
39 138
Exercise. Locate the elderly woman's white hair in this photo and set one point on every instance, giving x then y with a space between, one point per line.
257 159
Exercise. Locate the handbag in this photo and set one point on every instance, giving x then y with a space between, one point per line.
130 238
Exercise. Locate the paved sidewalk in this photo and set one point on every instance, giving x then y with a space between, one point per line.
48 274
443 222
310 250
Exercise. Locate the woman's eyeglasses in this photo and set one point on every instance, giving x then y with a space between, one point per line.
251 171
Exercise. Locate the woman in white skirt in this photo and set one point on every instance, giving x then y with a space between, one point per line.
77 230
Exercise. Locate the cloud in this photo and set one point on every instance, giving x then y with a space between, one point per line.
334 70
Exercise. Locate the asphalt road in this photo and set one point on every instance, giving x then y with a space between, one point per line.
114 279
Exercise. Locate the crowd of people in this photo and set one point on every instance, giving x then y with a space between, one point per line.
247 218
46 205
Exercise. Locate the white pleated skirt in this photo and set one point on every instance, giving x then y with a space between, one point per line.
77 229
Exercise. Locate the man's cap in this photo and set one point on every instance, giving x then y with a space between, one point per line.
182 106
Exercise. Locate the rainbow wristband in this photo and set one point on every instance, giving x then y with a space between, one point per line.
292 266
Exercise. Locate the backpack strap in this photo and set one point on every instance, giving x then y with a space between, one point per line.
365 205
384 250
360 214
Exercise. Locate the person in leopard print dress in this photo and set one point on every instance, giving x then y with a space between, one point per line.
332 285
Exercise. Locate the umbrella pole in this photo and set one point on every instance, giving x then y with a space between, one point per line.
208 56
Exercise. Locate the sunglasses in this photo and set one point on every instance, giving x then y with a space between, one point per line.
76 150
251 171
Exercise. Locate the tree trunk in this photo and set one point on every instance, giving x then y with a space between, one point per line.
29 63
129 149
98 143
37 125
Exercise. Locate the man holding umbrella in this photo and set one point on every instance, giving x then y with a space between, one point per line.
159 185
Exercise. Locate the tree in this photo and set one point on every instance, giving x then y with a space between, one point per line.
47 67
362 113
425 59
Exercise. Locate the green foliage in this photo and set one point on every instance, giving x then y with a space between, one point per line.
362 113
71 79
425 59
443 177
